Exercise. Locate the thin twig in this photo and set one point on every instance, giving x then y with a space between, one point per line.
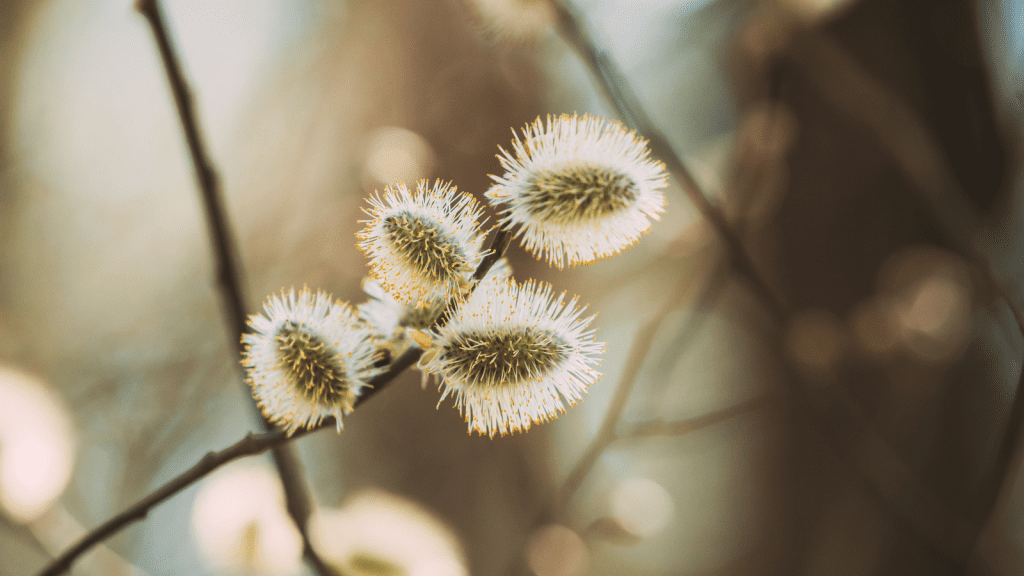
289 467
687 333
251 445
499 243
615 86
637 355
661 427
903 133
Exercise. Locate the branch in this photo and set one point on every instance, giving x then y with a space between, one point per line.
899 129
637 355
499 243
289 467
615 86
660 427
251 445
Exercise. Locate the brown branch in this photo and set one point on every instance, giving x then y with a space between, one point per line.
637 355
661 427
499 243
899 130
251 445
615 86
289 467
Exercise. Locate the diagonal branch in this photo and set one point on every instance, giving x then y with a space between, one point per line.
637 356
660 427
289 467
251 445
913 516
898 128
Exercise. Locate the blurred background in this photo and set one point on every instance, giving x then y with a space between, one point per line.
854 146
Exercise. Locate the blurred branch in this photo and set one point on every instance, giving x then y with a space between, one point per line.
935 524
687 332
289 467
24 533
637 355
661 427
899 129
251 445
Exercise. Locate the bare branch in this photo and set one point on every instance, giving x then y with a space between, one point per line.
637 355
904 135
914 516
251 445
289 467
661 427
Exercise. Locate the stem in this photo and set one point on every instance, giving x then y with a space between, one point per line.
251 445
659 427
637 355
502 238
617 89
289 467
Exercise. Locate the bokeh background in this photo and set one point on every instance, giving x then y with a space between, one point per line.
852 144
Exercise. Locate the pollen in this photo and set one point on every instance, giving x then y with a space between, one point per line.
423 245
514 355
422 242
312 368
579 193
307 358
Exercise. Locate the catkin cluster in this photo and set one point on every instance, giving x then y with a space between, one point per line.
510 354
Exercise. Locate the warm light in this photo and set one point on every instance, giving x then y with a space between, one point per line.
876 326
935 317
396 154
557 551
514 18
641 506
36 446
934 307
381 534
241 525
815 340
814 10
